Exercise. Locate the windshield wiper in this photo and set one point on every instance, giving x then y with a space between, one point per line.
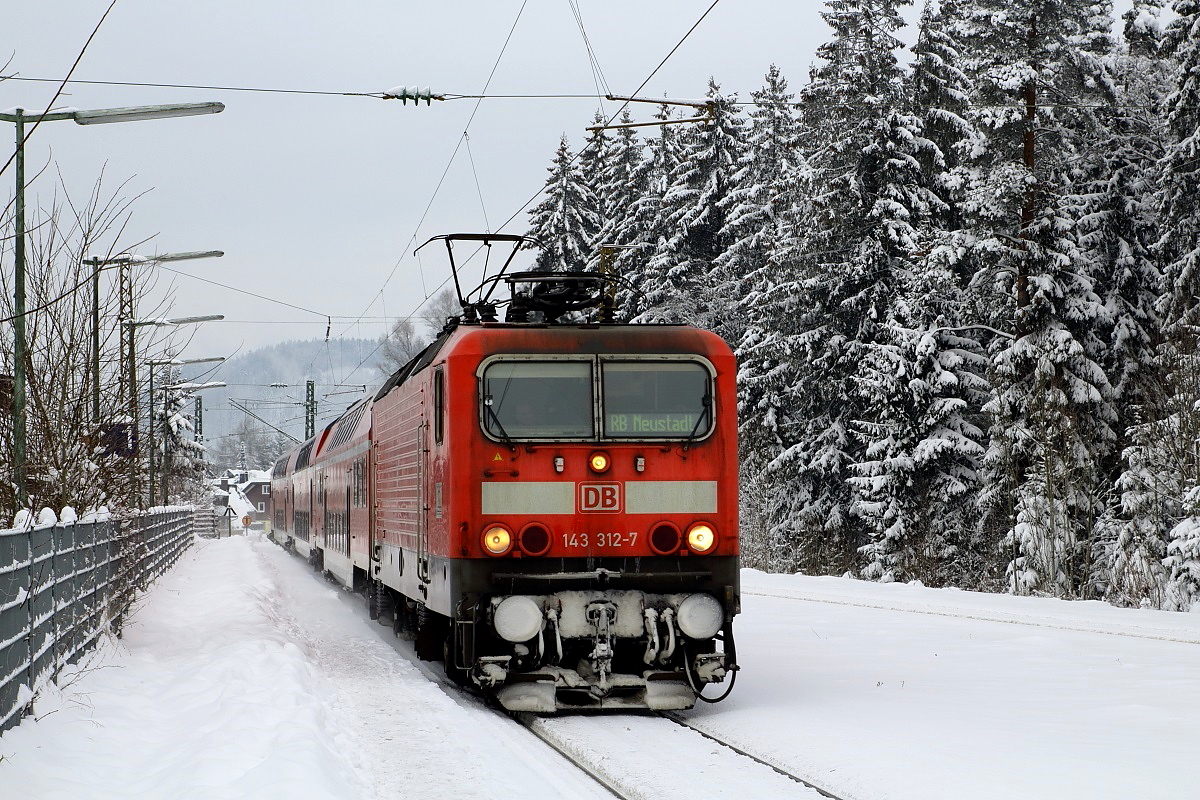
705 401
487 403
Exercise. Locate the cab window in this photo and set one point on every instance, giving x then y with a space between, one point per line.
538 400
656 399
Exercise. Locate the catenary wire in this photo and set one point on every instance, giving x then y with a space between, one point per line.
478 189
246 292
457 147
208 87
451 96
441 181
624 105
573 159
597 73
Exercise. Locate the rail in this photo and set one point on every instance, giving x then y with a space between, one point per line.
63 584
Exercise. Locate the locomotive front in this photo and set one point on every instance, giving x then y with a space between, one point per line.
598 563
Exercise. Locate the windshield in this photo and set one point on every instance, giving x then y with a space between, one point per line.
656 399
538 399
639 400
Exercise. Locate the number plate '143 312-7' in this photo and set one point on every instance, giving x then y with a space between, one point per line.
599 540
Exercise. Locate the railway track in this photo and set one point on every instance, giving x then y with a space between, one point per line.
661 756
766 762
530 723
613 750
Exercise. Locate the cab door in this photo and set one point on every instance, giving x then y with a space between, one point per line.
422 448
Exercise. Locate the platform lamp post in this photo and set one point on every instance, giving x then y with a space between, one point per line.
20 118
132 326
174 362
100 264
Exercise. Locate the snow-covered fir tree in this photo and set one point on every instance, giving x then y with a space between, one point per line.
940 95
916 487
922 375
763 197
592 159
619 186
962 294
852 236
1150 492
644 226
1180 244
1179 358
1052 411
921 378
687 283
1143 25
762 189
180 458
565 222
1118 226
1183 559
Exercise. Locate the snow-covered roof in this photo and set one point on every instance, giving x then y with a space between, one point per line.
254 476
242 477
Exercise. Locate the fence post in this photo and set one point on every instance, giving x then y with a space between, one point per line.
30 617
54 616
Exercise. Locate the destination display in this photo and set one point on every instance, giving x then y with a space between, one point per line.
664 422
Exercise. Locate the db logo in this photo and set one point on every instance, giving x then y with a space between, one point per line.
599 497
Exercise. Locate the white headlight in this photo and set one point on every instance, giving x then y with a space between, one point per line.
517 619
700 616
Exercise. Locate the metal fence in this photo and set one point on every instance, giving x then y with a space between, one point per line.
62 585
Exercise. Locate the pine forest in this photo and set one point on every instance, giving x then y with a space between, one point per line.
961 278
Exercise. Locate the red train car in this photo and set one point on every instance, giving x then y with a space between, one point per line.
549 508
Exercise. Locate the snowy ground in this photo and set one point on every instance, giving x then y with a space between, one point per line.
243 676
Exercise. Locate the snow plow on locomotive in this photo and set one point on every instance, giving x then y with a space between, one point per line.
548 507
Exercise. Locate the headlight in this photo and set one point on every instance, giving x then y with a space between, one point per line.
517 619
700 616
497 540
598 462
701 538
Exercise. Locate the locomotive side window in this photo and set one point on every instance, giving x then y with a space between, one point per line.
538 400
439 405
656 399
358 481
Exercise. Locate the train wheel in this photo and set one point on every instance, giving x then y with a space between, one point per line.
379 601
432 629
404 622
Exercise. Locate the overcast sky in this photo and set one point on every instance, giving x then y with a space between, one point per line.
316 200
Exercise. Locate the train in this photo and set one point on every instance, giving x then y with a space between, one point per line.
546 503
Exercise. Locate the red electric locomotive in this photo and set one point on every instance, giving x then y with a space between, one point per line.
548 507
